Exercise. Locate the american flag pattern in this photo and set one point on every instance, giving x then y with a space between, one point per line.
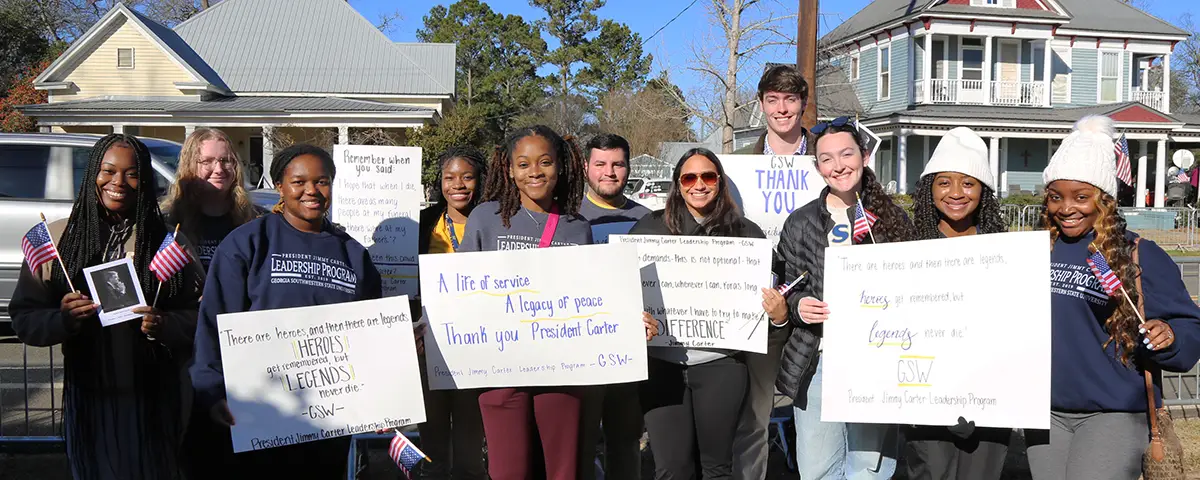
405 454
1108 278
863 219
37 247
1123 169
169 260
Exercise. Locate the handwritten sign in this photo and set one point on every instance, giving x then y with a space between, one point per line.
305 374
925 332
528 318
705 292
770 187
377 198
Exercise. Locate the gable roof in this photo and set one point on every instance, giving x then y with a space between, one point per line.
164 38
310 46
1115 16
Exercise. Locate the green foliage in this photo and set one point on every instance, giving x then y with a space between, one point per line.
610 53
461 126
1021 199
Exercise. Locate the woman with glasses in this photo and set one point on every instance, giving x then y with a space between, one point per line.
832 450
207 201
693 396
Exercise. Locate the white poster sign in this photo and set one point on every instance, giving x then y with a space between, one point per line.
770 187
705 292
538 317
377 198
304 374
925 332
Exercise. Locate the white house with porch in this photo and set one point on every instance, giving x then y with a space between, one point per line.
260 70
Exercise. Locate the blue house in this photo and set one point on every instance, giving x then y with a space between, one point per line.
1018 72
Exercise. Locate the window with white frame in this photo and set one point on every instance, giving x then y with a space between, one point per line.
124 58
854 66
972 59
994 3
885 72
1110 76
1060 74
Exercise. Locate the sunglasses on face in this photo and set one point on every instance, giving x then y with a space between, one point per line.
688 180
837 122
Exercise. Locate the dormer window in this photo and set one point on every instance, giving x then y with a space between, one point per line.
994 3
124 58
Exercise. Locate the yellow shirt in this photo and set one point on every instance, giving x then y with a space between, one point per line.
439 241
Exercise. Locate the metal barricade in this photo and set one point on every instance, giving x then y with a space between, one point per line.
1172 228
30 406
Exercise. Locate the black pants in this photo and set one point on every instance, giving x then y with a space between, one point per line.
692 414
933 453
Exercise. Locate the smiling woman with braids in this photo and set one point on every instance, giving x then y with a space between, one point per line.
1099 350
124 393
828 449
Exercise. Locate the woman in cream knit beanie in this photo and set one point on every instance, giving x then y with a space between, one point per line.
1099 347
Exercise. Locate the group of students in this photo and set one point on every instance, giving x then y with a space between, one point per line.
146 400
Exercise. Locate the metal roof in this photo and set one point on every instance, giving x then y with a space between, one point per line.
228 105
180 48
1116 16
312 46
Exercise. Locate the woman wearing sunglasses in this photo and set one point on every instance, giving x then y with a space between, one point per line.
693 395
833 450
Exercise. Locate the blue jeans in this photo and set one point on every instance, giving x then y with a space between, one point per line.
836 451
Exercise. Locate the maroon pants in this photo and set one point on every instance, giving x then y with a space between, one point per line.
510 414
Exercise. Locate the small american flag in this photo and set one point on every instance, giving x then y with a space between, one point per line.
37 247
863 219
405 454
169 260
1108 279
1123 170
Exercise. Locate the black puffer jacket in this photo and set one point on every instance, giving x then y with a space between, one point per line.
802 244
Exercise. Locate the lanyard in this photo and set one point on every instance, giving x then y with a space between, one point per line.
450 231
551 226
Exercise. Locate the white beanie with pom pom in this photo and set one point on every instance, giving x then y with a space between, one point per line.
1087 155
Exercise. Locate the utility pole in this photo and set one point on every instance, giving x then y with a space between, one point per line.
806 56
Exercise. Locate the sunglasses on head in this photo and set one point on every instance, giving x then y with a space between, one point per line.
837 122
688 180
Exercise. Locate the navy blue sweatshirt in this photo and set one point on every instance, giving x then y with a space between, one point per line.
267 264
1088 378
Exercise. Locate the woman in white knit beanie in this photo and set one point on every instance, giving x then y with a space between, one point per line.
956 197
1099 348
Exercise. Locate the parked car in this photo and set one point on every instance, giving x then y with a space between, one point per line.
653 194
40 174
633 186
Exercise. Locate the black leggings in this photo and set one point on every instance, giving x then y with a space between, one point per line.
692 414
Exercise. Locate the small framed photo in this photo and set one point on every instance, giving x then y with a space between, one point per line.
115 286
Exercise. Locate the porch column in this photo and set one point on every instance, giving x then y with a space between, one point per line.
1143 157
45 129
187 131
994 157
343 135
1160 176
1166 96
987 72
902 162
118 128
268 134
1046 76
928 67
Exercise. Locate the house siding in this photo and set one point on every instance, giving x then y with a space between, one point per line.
867 79
898 79
153 74
1085 76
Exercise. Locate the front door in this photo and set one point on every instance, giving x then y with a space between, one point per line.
1008 74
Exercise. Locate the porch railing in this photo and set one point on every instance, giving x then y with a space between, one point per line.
1019 94
1149 98
979 92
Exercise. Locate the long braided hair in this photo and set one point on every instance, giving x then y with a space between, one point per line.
568 190
926 216
92 365
893 224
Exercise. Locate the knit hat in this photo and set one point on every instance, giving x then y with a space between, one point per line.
962 151
1087 155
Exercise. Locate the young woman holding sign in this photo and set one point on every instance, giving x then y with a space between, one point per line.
453 430
830 450
240 279
1102 353
693 396
124 394
956 197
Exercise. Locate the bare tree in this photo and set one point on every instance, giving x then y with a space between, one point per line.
1185 66
645 117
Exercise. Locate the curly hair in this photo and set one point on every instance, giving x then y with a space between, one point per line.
893 224
474 158
1110 228
926 216
183 201
726 217
568 190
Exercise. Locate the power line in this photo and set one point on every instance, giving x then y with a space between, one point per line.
676 17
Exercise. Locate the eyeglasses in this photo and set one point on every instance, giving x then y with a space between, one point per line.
688 180
210 162
837 123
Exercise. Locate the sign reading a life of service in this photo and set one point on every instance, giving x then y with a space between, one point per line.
925 332
770 187
705 292
300 375
377 198
519 318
